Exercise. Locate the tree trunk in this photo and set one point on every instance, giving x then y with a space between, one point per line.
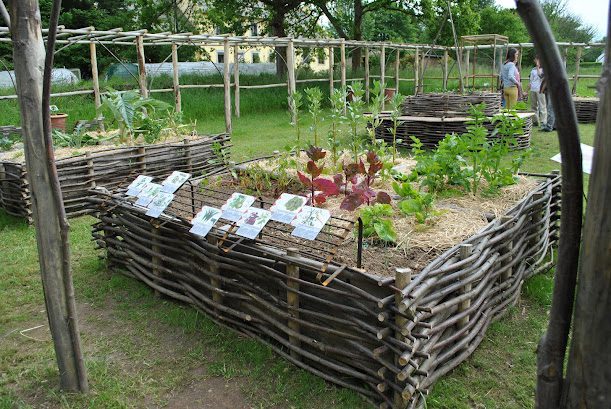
357 34
47 210
277 27
588 378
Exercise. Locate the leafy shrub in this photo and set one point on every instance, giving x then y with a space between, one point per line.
377 222
414 202
361 179
320 188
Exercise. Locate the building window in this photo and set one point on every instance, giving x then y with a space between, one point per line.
254 30
220 57
256 58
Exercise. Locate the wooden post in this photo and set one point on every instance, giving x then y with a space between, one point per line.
292 300
331 68
227 86
175 79
142 159
367 82
493 74
508 249
342 66
236 80
144 92
467 66
445 70
565 56
215 282
536 218
519 60
188 159
383 71
290 65
397 70
48 210
94 75
577 69
464 252
403 276
416 70
90 171
155 259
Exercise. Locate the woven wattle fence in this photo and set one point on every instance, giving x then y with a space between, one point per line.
450 104
586 109
110 168
431 130
389 339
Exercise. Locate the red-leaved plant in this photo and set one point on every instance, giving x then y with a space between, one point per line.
320 188
361 178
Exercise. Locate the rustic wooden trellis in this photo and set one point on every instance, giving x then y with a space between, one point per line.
389 339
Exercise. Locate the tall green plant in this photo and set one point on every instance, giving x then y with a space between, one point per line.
375 108
395 106
295 104
129 110
314 96
354 113
338 100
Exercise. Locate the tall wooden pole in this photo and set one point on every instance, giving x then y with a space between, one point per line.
331 69
175 78
94 75
577 69
144 92
342 57
397 70
445 70
367 81
236 80
48 211
290 65
227 85
416 71
383 70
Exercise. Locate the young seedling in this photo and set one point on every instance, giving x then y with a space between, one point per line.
375 108
377 222
295 104
414 202
354 114
314 96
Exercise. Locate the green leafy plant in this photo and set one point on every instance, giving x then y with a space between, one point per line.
441 168
414 202
295 104
377 222
354 114
130 111
375 108
314 96
320 188
395 113
338 100
361 179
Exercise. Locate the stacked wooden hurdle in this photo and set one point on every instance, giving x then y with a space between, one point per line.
586 109
110 168
388 339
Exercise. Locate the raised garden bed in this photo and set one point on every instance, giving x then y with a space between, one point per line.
388 337
450 104
586 109
109 167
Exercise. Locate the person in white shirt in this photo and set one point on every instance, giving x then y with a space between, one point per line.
537 98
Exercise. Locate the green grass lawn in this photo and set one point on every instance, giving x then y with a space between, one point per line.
143 351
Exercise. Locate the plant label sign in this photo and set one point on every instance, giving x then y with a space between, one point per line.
138 184
173 182
236 206
204 220
286 207
252 222
159 203
146 195
309 222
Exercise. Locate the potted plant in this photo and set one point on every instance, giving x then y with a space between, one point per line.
58 120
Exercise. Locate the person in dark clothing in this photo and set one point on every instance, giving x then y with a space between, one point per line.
550 125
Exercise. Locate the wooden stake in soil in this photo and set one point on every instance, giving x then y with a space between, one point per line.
342 56
155 260
508 249
416 71
290 65
292 298
403 276
94 75
236 80
397 70
142 158
445 70
577 68
142 82
90 172
383 70
367 82
331 68
464 252
227 86
215 282
175 79
189 159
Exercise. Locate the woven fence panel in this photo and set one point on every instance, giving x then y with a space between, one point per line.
360 331
448 105
586 109
112 167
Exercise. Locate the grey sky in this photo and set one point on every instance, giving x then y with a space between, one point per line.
592 12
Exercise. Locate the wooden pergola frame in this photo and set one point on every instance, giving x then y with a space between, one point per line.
142 39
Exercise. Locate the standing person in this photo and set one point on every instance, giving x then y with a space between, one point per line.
536 95
550 124
510 79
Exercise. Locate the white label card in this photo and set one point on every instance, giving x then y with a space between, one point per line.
286 207
173 182
204 220
159 203
145 196
236 205
138 184
252 222
309 222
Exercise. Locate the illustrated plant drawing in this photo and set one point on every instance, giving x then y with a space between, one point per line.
293 203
